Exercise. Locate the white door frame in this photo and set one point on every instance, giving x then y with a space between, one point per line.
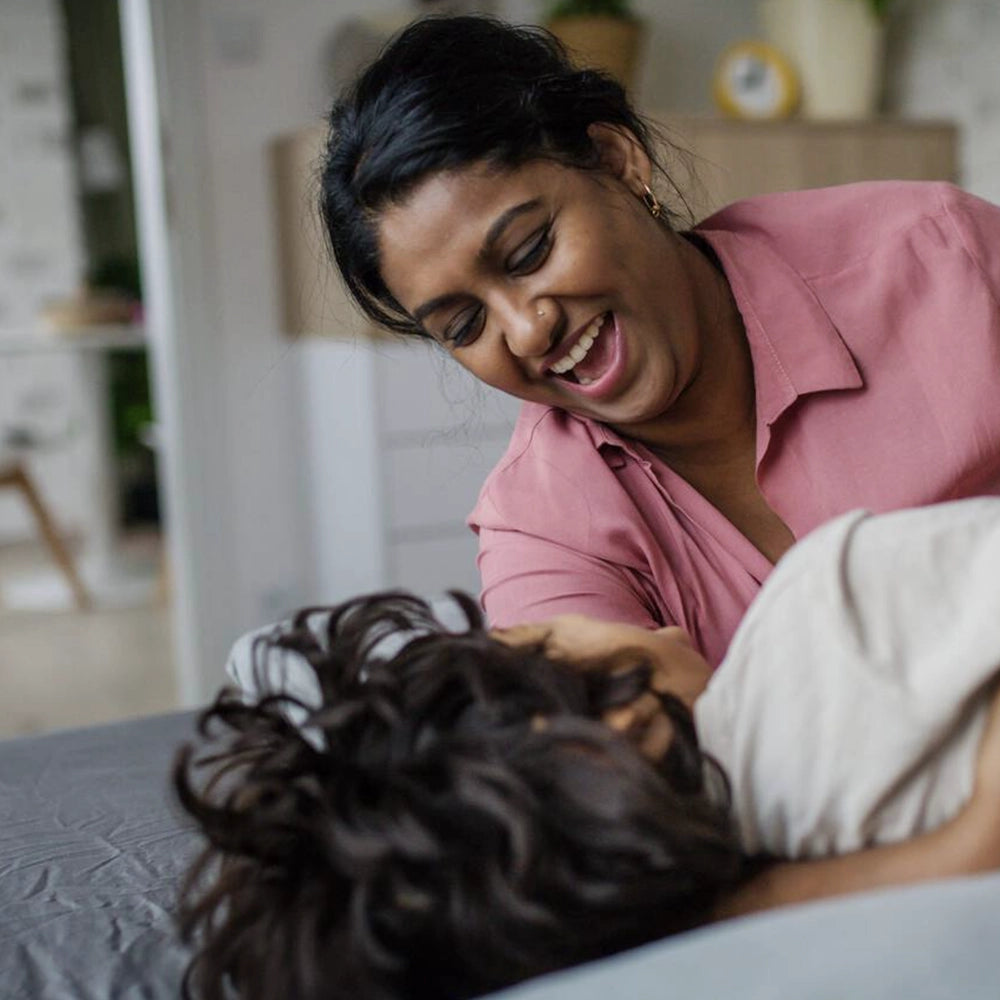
160 42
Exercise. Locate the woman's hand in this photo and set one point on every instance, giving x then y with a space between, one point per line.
675 666
967 844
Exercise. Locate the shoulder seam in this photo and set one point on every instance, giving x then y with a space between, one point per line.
976 263
510 459
924 217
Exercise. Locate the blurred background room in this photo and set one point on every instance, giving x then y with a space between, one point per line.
196 433
84 626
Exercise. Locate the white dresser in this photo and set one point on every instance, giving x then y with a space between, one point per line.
398 442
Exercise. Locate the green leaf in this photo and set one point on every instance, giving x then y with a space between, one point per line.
880 8
591 8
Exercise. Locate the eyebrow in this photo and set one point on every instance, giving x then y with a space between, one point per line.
493 234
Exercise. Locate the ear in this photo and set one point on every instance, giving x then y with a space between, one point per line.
621 154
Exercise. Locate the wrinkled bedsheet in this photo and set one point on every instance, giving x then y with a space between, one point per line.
92 851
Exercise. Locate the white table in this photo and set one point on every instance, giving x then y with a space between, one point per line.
88 349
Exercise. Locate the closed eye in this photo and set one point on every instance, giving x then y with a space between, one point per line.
465 327
532 253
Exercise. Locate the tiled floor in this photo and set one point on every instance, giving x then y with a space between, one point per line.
68 668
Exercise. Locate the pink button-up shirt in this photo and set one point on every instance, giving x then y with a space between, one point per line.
872 313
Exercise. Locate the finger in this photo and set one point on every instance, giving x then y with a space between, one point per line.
657 738
646 706
620 719
520 635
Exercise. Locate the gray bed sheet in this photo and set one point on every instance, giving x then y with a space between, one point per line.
92 851
91 854
936 941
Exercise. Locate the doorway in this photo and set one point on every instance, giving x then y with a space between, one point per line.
85 620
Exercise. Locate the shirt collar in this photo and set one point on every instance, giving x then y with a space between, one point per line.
795 345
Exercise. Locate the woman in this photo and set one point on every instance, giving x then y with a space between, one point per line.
694 401
450 812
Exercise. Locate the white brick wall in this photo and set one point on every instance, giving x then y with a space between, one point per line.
40 245
41 255
944 61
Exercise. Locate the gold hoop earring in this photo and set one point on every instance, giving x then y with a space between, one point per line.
649 200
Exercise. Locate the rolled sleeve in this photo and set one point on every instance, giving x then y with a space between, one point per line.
527 579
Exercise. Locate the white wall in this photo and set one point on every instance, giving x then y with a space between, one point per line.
685 37
943 62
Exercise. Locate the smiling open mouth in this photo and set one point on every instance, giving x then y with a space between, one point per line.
589 357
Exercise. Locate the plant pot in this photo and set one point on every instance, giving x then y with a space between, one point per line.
836 46
607 43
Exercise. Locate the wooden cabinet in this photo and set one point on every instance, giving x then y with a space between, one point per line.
729 159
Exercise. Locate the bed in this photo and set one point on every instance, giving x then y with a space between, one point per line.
91 853
92 850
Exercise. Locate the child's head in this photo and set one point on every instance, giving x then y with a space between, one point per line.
452 817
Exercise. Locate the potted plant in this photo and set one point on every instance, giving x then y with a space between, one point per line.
604 34
836 46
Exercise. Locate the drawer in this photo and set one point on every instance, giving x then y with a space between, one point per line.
435 484
430 566
420 388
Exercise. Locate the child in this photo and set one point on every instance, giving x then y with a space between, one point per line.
453 817
444 813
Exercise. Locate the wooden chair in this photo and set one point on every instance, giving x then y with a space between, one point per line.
14 473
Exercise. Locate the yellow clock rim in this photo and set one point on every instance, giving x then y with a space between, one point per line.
774 57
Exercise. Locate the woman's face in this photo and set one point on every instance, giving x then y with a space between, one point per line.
553 284
677 668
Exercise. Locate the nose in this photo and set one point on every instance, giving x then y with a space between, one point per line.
531 327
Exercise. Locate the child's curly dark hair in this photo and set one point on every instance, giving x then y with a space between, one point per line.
451 818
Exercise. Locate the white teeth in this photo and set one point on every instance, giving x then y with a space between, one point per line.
580 350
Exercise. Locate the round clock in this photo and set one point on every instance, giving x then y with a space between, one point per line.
754 80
